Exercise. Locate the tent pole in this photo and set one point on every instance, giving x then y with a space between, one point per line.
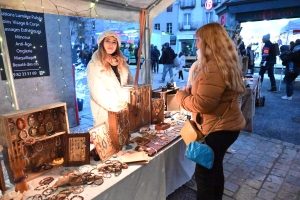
147 61
7 66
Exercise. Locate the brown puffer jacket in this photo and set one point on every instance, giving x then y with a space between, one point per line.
209 99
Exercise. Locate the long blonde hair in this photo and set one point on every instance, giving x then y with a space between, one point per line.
217 45
117 55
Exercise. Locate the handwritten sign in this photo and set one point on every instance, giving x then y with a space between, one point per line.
27 45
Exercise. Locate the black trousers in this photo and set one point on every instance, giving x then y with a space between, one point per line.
180 74
210 182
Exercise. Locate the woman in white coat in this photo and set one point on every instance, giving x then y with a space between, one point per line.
107 72
181 57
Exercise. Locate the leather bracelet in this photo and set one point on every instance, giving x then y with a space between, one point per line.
46 181
40 187
77 189
49 191
17 180
67 192
37 197
98 180
77 196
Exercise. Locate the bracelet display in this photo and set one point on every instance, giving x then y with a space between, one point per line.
17 180
77 196
77 189
46 181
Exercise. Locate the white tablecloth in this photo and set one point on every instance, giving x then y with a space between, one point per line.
165 172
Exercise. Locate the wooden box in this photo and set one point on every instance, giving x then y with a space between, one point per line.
47 125
139 104
158 93
157 110
119 128
172 104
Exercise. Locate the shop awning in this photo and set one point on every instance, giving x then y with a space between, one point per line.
293 25
119 10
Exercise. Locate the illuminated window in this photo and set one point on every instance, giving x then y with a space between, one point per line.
169 27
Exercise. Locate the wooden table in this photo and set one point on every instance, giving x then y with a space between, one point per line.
248 101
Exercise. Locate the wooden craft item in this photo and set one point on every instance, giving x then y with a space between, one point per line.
162 126
77 151
157 110
158 93
139 106
40 147
102 141
119 128
158 144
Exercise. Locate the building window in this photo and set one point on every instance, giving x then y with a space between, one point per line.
169 27
156 26
170 8
187 19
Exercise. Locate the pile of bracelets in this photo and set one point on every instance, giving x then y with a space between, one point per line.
112 166
88 174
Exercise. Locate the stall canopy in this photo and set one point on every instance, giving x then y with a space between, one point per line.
293 25
118 10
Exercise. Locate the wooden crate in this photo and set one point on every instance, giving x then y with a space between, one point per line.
158 93
46 124
139 104
119 128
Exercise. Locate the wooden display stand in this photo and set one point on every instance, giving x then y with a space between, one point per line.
169 102
139 103
248 101
46 124
2 181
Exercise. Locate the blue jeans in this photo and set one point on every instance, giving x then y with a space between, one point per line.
167 68
290 77
270 69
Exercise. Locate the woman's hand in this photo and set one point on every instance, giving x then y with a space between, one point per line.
187 89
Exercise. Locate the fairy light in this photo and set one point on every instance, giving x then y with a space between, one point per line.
92 7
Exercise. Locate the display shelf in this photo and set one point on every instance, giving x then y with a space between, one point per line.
42 130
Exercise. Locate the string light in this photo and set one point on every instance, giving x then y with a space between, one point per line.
92 7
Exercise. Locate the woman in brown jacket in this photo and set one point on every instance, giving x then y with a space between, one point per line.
217 83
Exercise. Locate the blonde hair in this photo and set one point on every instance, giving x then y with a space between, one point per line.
117 54
217 45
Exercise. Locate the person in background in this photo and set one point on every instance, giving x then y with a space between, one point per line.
181 57
167 59
157 52
127 54
291 59
136 56
250 54
153 58
268 61
217 83
292 44
107 72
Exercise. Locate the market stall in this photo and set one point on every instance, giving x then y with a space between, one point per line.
43 129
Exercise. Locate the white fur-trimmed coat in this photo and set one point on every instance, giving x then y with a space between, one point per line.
106 92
